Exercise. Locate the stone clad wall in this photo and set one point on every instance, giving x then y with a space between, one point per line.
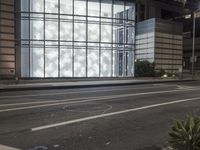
161 42
7 39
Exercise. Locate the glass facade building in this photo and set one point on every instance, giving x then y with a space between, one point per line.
77 38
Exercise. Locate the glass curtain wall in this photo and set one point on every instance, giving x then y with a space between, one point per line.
77 38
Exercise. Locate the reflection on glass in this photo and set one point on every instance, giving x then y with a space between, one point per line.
130 11
106 8
72 44
93 8
118 9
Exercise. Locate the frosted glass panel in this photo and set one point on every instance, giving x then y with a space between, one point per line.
66 62
93 32
80 31
106 33
106 63
93 8
51 62
37 5
37 29
51 30
73 38
79 7
37 65
51 6
66 6
80 62
106 8
93 63
66 31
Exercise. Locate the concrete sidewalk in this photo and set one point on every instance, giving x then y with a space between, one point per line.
81 84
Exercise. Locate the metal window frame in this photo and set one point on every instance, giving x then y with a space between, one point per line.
99 22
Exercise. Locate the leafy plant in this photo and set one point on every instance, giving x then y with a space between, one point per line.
185 135
144 69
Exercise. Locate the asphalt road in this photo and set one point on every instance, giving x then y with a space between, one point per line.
135 117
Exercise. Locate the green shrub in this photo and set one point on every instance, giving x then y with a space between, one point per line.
144 69
185 135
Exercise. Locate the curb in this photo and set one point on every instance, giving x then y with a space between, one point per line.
52 87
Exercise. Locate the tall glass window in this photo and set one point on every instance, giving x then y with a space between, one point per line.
37 6
77 38
66 7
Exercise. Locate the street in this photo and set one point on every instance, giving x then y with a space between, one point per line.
133 117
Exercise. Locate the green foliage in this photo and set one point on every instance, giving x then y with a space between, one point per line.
144 69
185 135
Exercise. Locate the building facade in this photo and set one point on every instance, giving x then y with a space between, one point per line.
7 39
91 38
76 38
160 42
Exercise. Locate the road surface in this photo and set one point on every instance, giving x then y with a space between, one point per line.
134 117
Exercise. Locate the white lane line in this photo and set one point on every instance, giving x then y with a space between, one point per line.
44 102
49 101
3 147
75 92
111 114
64 102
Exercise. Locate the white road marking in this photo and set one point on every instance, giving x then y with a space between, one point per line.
111 114
2 147
50 101
92 99
43 102
180 87
75 92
